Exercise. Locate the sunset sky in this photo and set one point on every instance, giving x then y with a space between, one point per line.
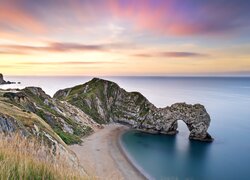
125 37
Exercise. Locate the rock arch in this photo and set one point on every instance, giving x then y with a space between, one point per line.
195 117
106 102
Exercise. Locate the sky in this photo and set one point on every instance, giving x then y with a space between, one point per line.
125 37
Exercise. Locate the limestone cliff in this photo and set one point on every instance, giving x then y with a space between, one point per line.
34 114
69 122
15 120
106 102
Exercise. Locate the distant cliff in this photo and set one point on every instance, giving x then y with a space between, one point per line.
106 102
2 81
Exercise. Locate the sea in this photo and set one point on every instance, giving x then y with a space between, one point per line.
165 157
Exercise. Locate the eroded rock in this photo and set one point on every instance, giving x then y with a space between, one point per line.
106 102
2 81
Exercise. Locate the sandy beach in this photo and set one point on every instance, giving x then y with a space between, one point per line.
102 157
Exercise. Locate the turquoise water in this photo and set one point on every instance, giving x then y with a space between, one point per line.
227 100
175 157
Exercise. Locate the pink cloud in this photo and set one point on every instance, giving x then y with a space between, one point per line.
171 54
62 47
183 18
164 17
15 17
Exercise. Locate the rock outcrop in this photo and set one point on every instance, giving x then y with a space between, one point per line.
30 126
2 81
69 122
33 114
9 125
105 102
76 112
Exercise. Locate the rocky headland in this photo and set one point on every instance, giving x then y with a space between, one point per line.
104 101
2 81
77 112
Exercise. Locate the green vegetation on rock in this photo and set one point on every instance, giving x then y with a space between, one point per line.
106 102
33 99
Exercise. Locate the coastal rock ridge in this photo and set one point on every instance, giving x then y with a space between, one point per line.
104 101
2 81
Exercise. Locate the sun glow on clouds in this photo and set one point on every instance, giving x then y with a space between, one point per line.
124 37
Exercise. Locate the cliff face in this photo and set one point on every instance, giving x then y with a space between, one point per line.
16 120
76 112
32 113
69 122
105 102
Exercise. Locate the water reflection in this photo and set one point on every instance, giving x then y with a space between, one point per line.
169 156
196 159
193 155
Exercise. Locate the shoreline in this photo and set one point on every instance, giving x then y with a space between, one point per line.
102 155
130 159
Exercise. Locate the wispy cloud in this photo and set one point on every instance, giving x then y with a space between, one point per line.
74 30
173 54
71 63
170 17
6 66
185 18
60 47
11 52
15 18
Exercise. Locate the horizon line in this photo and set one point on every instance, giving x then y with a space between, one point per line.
248 75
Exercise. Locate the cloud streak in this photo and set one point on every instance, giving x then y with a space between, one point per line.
185 18
61 47
71 63
171 54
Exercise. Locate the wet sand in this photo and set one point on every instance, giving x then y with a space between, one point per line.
102 157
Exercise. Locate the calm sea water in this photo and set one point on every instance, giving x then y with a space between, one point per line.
175 157
227 100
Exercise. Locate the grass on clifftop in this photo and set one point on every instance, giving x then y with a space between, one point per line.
47 119
26 159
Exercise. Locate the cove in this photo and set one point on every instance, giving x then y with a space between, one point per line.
162 158
176 157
